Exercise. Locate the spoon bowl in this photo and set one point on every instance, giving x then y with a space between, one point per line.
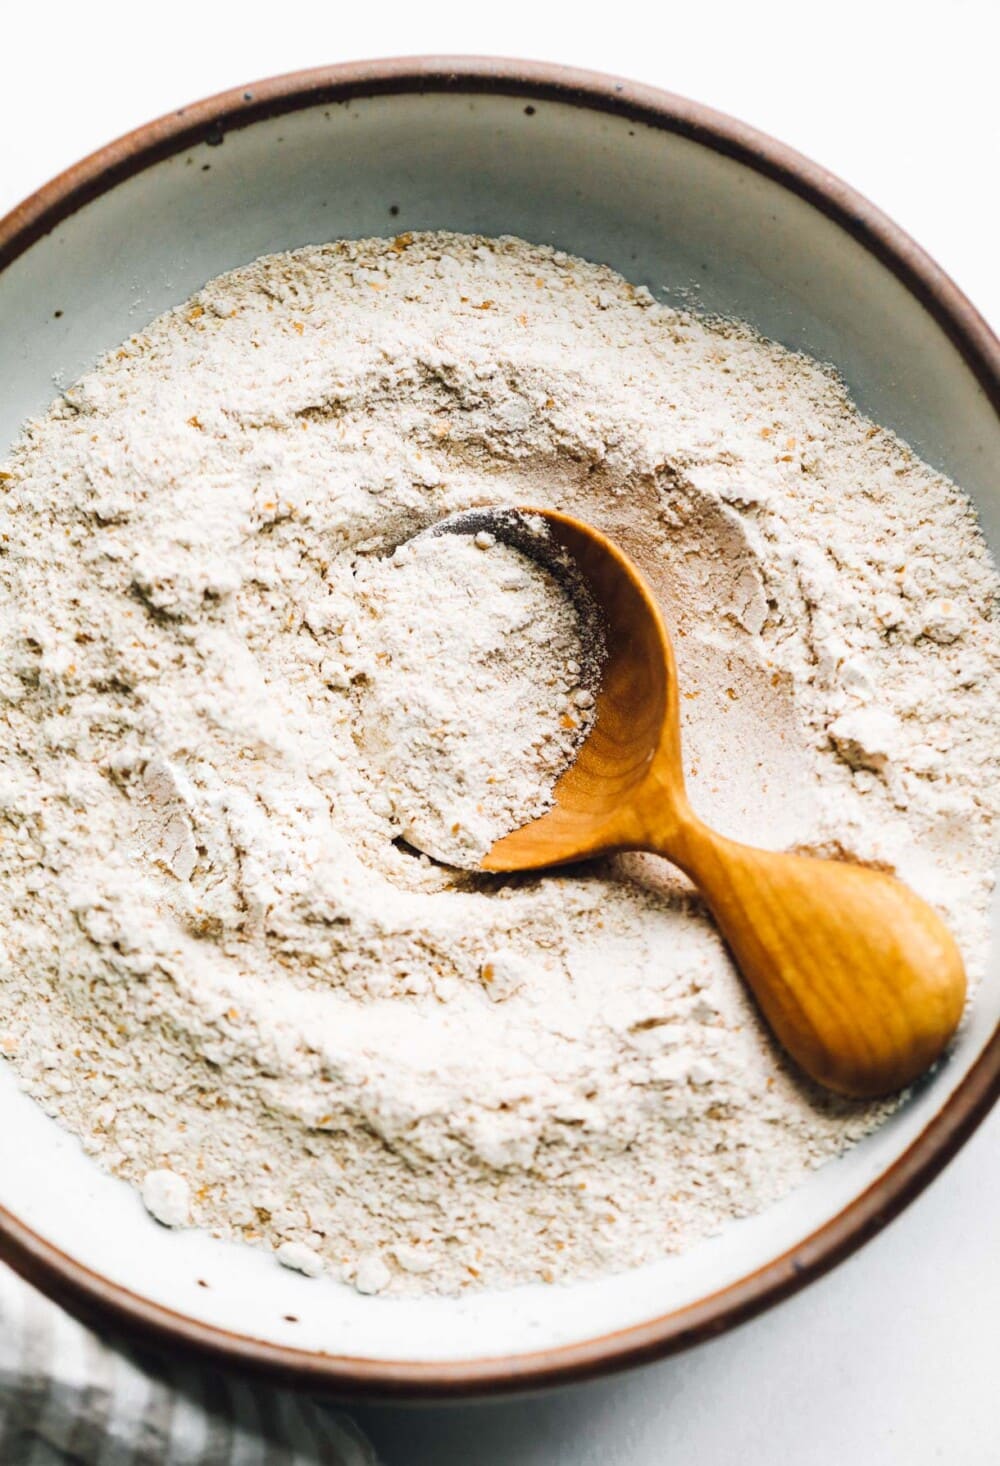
859 979
599 804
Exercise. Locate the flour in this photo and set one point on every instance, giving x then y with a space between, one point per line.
220 961
167 1197
469 659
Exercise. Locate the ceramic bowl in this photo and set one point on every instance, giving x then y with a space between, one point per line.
706 213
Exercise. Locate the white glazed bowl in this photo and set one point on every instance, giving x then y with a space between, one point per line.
706 213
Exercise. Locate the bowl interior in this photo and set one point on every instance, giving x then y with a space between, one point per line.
701 229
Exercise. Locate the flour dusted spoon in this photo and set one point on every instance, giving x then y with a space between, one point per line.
858 978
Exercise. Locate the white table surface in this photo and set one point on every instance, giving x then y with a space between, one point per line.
895 1357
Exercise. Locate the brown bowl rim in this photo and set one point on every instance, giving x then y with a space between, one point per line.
105 1304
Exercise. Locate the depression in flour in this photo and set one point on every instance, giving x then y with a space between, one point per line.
223 964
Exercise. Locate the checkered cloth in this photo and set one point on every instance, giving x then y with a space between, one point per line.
66 1397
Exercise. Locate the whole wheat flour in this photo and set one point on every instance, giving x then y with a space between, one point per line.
224 968
473 703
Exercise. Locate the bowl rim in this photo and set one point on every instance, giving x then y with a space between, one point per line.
104 1304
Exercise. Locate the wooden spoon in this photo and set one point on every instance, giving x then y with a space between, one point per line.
859 979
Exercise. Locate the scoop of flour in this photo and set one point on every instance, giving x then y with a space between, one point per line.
472 705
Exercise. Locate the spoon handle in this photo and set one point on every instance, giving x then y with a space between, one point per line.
859 979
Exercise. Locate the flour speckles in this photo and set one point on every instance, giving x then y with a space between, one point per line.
227 968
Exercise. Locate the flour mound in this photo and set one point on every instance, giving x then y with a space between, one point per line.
222 963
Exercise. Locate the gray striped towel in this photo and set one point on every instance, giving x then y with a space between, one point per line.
67 1397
